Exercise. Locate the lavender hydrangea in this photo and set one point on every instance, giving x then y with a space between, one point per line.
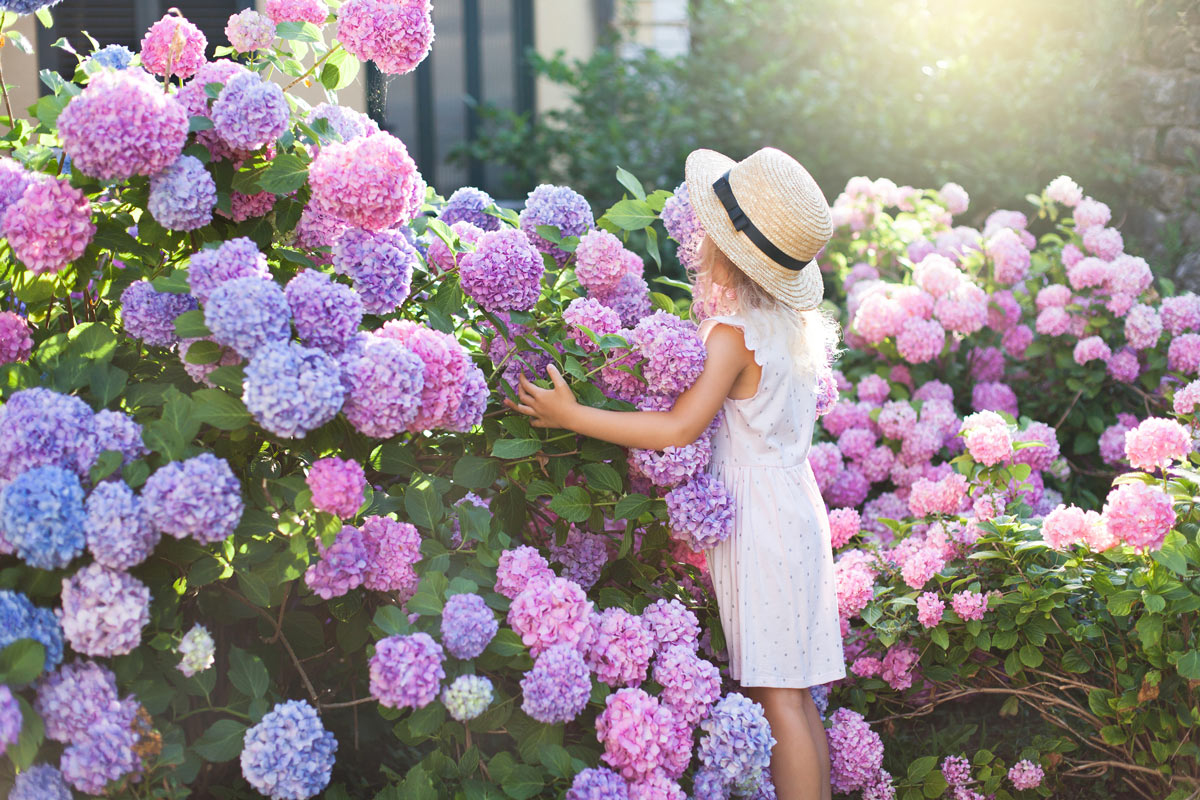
41 516
380 264
592 315
326 314
469 204
471 407
149 315
199 497
247 313
393 549
599 783
558 686
467 697
72 699
504 272
690 685
673 351
672 624
116 430
104 611
561 207
583 556
341 566
701 512
249 30
250 112
291 389
13 181
406 671
345 122
106 754
682 224
40 427
21 619
40 782
855 751
384 380
468 625
197 649
737 738
10 718
631 299
183 196
213 266
119 534
288 755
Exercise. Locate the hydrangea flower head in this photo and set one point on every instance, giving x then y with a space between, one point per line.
1138 515
249 30
549 612
955 198
673 350
1064 190
326 314
393 549
42 516
598 261
21 619
619 648
701 512
518 568
380 264
199 497
395 34
737 738
671 624
969 605
338 486
631 299
598 783
558 686
40 782
467 697
346 122
288 754
929 610
583 556
560 207
406 671
291 389
99 138
682 224
635 731
469 204
173 47
342 564
119 534
104 611
10 718
442 256
690 685
14 179
236 258
106 754
592 315
247 314
504 272
1025 775
370 182
149 315
1155 443
113 56
446 365
183 196
1009 256
250 112
468 625
987 437
384 380
197 648
49 226
920 340
314 11
855 751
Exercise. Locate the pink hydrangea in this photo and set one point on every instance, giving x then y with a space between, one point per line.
635 731
518 568
1009 255
395 34
15 342
1105 243
370 182
599 265
1071 255
987 437
690 685
920 340
249 30
549 612
856 442
1139 515
873 389
1180 313
1089 213
1093 348
1064 190
937 275
1004 218
619 647
673 351
1184 401
955 198
929 609
945 496
447 365
393 549
877 464
867 667
50 226
584 312
1123 366
994 396
1183 354
898 666
103 611
1042 455
1053 321
314 11
1112 441
1089 273
896 419
1004 312
915 301
1016 340
847 414
1069 525
337 486
878 317
440 255
850 488
987 363
855 583
1155 443
969 605
1130 275
1055 294
1025 775
855 751
963 310
341 566
844 523
920 564
173 46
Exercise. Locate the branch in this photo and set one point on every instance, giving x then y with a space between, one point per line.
312 693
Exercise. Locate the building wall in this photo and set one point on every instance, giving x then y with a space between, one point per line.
562 25
22 69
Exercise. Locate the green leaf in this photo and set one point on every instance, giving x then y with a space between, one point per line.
255 589
506 642
1031 656
190 325
287 173
228 377
632 506
935 784
175 283
247 673
631 215
421 501
417 785
106 464
631 183
106 382
523 782
939 637
92 341
516 448
202 351
425 721
21 662
1189 665
603 477
33 733
298 32
425 603
196 124
476 472
918 769
555 758
220 409
573 504
221 742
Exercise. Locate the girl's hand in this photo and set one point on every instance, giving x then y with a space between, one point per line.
549 408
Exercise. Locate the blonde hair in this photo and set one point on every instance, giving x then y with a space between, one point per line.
814 333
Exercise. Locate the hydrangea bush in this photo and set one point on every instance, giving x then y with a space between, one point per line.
263 335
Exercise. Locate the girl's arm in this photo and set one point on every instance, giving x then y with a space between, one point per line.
649 430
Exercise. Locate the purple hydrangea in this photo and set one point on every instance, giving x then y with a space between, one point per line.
250 112
344 121
326 314
183 196
317 229
600 783
342 564
446 367
672 624
467 697
41 781
558 686
592 315
710 784
619 648
682 224
21 619
49 226
41 516
690 685
40 427
383 380
406 671
599 264
119 533
631 299
504 272
291 389
673 351
99 133
701 512
115 430
212 266
104 755
674 465
247 313
10 718
469 204
200 372
197 649
583 556
337 485
737 738
288 754
71 700
468 625
104 611
380 264
199 497
393 549
149 315
469 412
13 181
561 207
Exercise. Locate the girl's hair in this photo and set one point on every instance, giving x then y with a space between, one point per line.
814 333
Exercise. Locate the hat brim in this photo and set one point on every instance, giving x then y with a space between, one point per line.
799 290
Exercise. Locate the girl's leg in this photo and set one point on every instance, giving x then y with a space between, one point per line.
816 729
795 761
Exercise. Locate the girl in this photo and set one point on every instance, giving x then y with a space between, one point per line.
768 346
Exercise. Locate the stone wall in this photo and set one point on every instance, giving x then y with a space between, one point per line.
1164 85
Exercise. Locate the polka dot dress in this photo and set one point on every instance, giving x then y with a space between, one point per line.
774 575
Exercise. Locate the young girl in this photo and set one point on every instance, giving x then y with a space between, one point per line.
757 291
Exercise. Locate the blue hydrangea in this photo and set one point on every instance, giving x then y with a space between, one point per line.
470 205
118 431
467 697
199 497
468 625
183 196
26 6
149 315
601 783
21 619
737 740
41 514
292 389
40 427
710 784
119 533
250 112
247 313
559 206
289 754
113 56
380 264
40 782
326 314
820 696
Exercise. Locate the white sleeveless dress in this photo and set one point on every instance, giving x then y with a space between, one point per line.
774 575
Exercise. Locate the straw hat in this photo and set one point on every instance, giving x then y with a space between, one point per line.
768 215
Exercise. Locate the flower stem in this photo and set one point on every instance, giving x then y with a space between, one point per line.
12 122
316 64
